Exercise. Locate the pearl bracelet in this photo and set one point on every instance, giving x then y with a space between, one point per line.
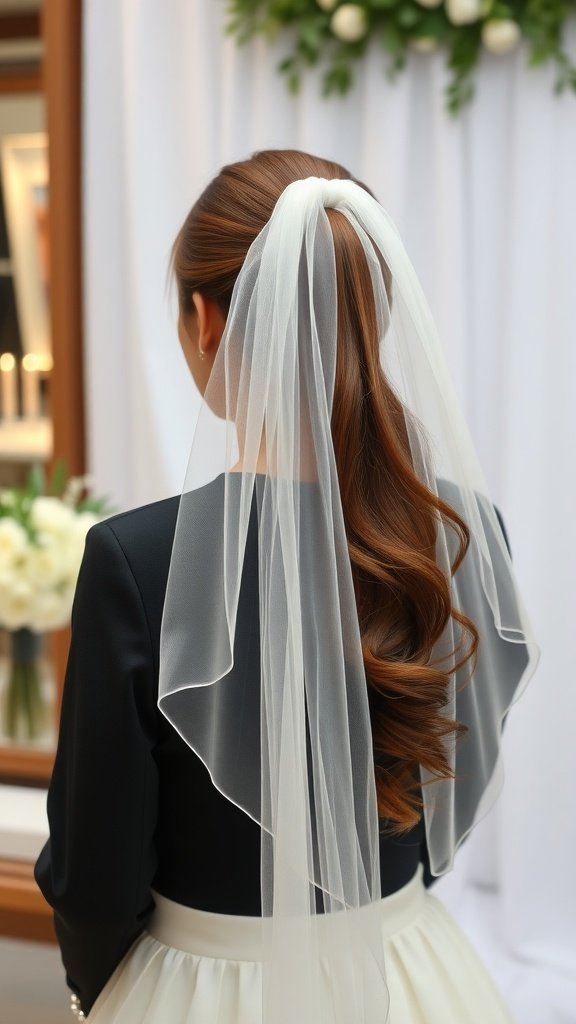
75 1007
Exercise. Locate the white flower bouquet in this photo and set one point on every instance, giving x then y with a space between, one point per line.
42 536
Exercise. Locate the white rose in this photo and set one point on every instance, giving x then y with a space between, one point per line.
83 521
327 5
51 610
7 498
71 559
349 23
424 44
13 540
50 515
16 604
462 12
500 35
74 488
76 542
43 566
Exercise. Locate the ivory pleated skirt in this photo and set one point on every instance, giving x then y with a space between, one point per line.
193 967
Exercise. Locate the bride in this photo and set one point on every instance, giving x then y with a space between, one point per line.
285 688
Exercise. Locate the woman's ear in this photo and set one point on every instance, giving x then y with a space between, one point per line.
210 319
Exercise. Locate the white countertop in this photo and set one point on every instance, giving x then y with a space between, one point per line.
23 822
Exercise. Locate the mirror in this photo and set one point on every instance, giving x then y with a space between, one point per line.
42 415
28 689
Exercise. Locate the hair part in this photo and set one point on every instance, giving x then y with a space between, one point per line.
391 518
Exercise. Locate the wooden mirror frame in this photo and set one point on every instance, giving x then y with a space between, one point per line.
60 82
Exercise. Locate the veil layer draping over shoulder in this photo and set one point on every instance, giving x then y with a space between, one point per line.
293 748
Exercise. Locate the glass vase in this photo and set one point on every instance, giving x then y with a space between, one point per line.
25 706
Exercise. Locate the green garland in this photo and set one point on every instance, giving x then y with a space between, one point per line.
337 33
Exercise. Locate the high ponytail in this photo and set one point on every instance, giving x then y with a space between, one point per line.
391 518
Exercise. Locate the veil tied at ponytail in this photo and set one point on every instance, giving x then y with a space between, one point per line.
293 748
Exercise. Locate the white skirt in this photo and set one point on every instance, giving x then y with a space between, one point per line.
193 967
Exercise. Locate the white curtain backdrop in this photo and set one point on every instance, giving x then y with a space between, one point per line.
486 206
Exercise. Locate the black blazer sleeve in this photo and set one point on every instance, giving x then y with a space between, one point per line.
96 869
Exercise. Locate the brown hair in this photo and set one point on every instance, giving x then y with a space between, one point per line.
391 517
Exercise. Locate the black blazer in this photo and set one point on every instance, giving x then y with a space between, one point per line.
130 806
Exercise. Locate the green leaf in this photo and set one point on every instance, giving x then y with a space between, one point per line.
459 93
464 50
392 39
338 79
59 477
36 480
501 10
286 65
408 15
435 24
311 34
291 69
294 83
100 506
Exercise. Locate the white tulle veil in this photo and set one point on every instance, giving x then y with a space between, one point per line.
293 747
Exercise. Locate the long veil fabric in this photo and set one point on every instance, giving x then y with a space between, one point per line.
293 747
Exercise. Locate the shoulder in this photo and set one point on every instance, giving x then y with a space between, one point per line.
139 540
139 527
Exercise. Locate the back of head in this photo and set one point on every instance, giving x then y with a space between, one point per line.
391 518
221 226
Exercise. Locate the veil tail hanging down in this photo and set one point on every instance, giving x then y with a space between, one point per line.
293 748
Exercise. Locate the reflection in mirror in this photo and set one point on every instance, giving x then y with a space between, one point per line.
25 348
24 175
27 685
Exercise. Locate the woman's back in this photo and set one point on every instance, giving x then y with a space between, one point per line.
206 851
292 659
